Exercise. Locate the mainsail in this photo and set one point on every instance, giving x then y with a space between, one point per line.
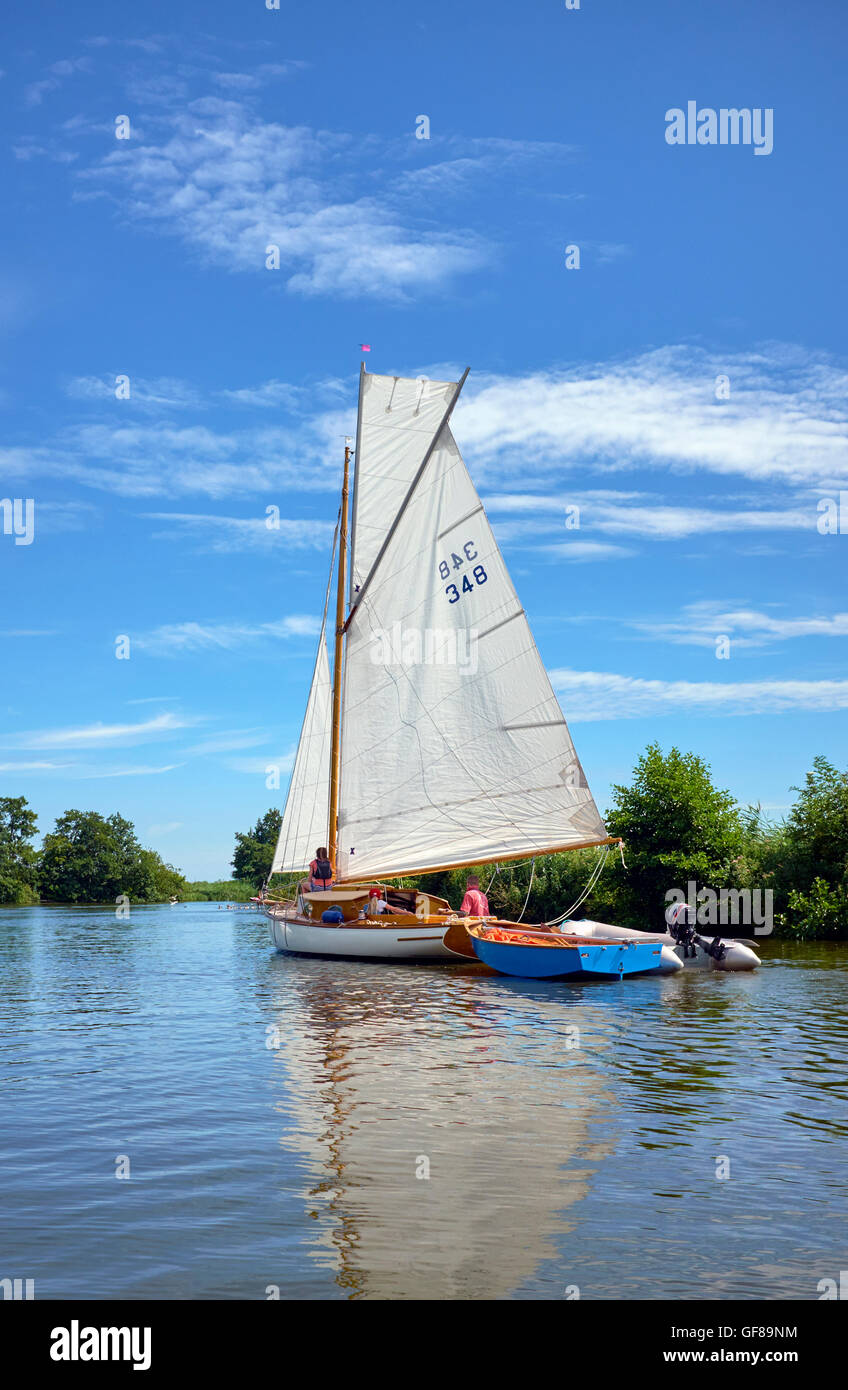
304 826
454 748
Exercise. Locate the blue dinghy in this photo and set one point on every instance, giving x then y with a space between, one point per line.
546 956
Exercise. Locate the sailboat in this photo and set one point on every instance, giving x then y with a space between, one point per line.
436 741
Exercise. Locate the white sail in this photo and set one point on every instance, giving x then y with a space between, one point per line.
454 746
398 417
306 816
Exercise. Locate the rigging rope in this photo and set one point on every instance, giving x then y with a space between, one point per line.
529 886
593 879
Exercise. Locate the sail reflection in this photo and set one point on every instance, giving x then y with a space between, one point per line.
444 1143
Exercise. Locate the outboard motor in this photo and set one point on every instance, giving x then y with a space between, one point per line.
680 919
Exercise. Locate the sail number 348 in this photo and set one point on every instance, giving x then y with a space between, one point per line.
475 575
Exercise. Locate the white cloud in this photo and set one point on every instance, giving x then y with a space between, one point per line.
583 551
153 394
100 735
269 393
35 92
33 767
228 533
179 638
129 771
702 622
786 417
231 533
229 185
588 696
162 459
639 514
785 429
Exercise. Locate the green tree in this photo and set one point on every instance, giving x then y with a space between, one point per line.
809 867
17 856
254 852
817 826
89 858
676 827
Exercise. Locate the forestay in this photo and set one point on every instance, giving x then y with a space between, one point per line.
454 746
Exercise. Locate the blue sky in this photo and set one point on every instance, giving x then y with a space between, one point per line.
593 387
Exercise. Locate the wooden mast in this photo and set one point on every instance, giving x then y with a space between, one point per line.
336 744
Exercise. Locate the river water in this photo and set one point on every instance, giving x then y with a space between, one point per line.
186 1114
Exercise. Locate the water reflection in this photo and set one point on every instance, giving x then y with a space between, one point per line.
549 1164
397 1073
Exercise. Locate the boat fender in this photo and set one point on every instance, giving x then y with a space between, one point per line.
333 914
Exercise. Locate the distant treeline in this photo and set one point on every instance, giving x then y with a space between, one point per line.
86 858
225 890
679 830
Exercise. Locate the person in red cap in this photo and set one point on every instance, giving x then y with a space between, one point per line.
378 904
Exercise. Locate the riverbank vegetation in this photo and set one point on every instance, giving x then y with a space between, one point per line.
682 833
224 890
678 830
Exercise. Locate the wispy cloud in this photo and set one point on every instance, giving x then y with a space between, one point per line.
148 394
702 622
647 516
33 767
57 73
100 735
230 533
92 773
785 428
581 552
229 185
786 417
589 696
177 639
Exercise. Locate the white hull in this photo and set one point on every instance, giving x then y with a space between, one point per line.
738 957
419 942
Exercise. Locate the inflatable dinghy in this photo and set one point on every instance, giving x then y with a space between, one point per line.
738 955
